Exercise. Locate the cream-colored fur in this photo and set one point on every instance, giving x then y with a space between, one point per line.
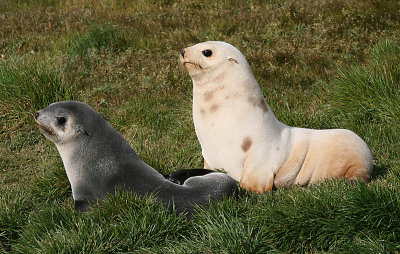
240 134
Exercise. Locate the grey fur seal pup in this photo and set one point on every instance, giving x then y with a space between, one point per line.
239 133
98 160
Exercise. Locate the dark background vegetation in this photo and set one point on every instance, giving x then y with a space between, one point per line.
320 64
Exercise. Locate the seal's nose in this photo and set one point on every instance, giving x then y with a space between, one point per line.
182 53
36 115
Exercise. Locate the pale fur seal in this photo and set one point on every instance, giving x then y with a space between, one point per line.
98 160
239 133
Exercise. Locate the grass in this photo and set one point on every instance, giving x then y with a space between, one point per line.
99 37
320 64
27 85
136 223
371 91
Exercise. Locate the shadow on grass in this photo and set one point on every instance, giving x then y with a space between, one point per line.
379 171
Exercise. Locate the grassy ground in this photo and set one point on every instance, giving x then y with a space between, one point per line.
320 64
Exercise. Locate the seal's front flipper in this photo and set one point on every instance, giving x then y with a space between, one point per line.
180 176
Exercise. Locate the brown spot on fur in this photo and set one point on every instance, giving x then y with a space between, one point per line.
209 95
262 105
246 144
226 97
277 148
202 111
214 108
258 102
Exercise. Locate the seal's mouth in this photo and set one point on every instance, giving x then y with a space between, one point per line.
45 130
192 63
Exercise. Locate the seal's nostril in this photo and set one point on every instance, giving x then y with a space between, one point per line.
36 115
182 52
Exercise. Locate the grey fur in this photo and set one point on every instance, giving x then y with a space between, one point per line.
98 160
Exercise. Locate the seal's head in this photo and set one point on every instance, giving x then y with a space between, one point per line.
210 59
62 122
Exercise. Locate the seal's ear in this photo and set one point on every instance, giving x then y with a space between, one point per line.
79 128
231 59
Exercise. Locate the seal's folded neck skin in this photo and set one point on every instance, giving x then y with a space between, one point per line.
98 160
239 133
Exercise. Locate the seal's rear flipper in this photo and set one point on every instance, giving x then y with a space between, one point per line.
181 175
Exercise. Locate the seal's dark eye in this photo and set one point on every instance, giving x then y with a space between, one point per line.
61 120
207 52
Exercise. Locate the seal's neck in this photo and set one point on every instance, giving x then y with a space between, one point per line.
209 78
66 152
225 89
73 165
